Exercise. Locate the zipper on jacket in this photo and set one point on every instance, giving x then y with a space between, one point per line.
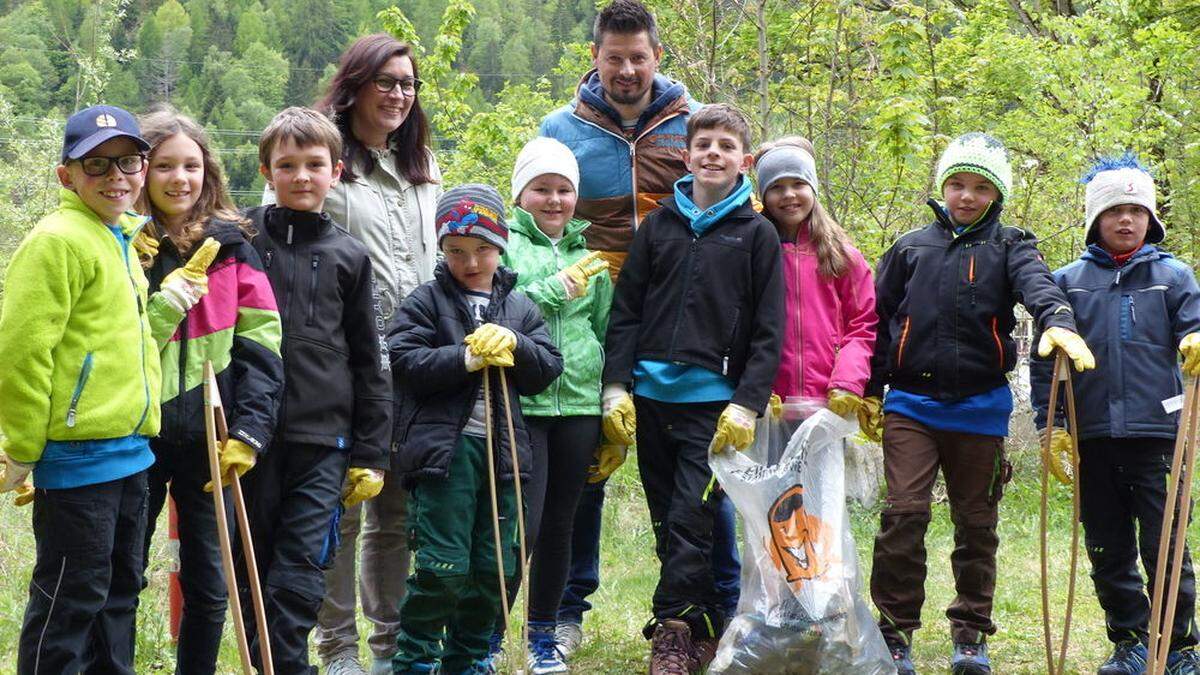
737 314
971 278
123 248
903 339
687 282
312 290
268 258
1127 310
999 344
85 371
556 324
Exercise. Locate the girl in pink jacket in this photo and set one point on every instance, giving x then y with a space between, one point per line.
830 294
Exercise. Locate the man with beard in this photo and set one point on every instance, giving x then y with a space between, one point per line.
627 128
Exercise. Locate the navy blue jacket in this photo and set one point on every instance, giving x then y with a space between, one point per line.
1132 318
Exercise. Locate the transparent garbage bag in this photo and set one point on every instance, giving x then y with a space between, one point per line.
800 611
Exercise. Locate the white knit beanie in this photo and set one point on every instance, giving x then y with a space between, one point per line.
1114 181
540 156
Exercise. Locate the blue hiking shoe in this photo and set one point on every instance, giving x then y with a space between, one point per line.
1128 658
902 658
544 657
481 667
1183 662
970 659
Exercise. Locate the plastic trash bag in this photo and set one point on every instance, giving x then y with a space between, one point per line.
800 611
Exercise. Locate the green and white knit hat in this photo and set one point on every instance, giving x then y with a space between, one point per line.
978 153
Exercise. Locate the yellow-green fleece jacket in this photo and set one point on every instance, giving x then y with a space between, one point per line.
80 380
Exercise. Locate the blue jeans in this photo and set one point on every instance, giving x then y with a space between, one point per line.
585 557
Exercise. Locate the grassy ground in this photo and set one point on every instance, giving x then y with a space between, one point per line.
614 643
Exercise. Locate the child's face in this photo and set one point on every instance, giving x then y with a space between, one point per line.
788 202
176 178
967 195
113 193
1123 227
301 175
472 261
550 199
716 158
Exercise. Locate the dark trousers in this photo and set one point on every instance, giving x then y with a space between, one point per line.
453 595
291 497
974 468
673 441
1122 494
83 597
183 468
584 573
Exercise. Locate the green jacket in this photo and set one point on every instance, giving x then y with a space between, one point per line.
576 326
79 360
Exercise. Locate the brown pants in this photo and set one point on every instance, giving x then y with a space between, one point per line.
975 471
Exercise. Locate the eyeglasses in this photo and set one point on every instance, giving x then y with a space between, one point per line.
408 86
100 166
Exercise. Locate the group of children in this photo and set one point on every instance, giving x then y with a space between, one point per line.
722 305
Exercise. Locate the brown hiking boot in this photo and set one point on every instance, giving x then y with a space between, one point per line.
671 650
706 651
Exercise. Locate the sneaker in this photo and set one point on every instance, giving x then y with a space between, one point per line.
496 649
482 667
346 663
569 637
902 658
970 659
671 650
1128 658
544 657
1183 662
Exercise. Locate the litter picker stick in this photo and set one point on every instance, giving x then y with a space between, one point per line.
516 469
491 466
1061 376
1176 512
215 410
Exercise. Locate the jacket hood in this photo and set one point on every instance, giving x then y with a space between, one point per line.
942 215
1096 253
702 219
288 225
663 92
522 221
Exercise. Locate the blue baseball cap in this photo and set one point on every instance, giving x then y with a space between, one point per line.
92 126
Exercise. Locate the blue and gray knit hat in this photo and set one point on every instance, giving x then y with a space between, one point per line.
978 153
472 210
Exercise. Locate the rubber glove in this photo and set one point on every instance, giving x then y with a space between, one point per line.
145 245
844 403
775 405
24 494
1058 458
1071 344
609 458
361 485
184 287
620 420
870 418
473 362
584 269
1190 348
735 427
236 455
12 473
491 340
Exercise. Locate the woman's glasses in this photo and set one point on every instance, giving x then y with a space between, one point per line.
408 86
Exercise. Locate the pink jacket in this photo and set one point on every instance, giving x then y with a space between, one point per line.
830 331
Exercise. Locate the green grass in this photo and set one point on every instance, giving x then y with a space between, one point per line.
613 631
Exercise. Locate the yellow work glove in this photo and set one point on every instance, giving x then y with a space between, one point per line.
609 458
735 427
1190 348
491 341
24 494
584 269
620 420
775 405
361 485
12 473
145 245
1058 457
1071 344
844 403
870 418
184 287
233 454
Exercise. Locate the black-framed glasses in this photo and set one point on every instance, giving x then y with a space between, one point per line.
100 166
409 86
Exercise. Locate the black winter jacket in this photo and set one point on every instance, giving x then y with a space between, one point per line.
715 301
337 392
945 305
434 392
249 371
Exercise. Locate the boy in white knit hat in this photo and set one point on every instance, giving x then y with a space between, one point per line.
1135 305
945 296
